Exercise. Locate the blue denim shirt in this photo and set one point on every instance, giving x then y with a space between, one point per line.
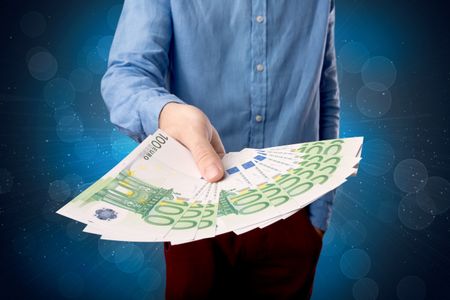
263 71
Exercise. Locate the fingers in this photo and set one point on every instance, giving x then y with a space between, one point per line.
191 127
206 158
216 142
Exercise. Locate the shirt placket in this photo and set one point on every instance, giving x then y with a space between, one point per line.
259 73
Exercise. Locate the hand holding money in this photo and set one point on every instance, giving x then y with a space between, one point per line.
191 127
157 193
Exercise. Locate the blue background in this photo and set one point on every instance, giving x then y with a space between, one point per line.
389 235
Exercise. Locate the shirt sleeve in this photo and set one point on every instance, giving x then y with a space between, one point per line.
320 210
133 86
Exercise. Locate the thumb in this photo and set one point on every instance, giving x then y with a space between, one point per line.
206 158
216 143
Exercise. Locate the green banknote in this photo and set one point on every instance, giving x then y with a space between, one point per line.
157 194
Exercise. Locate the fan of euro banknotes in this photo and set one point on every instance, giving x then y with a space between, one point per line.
156 193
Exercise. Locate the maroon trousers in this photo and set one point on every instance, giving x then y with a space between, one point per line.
277 262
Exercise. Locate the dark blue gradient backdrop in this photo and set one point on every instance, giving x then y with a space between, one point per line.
389 234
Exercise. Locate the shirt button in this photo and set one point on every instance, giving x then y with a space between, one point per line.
258 118
259 19
259 67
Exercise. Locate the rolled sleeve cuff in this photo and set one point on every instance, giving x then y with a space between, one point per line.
320 210
150 110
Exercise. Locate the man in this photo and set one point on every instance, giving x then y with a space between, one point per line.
238 73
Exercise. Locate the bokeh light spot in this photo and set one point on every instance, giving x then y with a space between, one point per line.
123 252
133 262
65 111
355 263
108 249
59 190
95 63
379 73
411 215
75 181
411 288
365 289
81 79
33 24
42 65
410 175
373 104
104 45
438 200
